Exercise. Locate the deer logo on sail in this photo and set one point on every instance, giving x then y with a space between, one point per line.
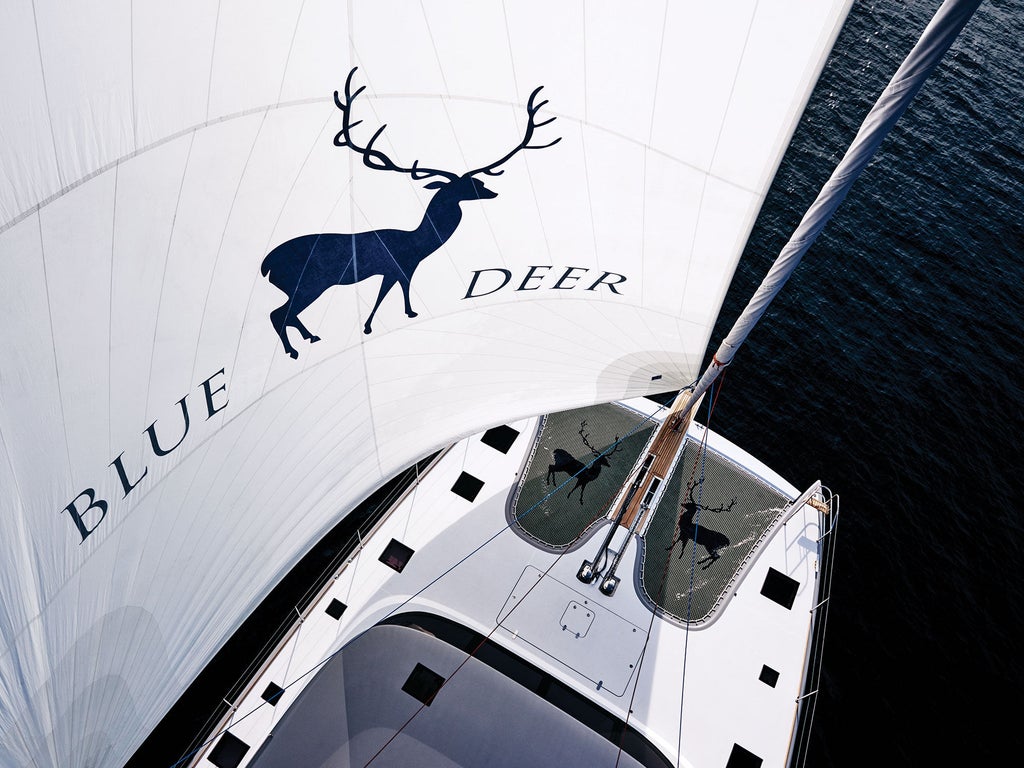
690 530
306 266
584 473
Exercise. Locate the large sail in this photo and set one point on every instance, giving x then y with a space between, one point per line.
233 304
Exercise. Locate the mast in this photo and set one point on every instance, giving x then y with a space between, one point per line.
938 36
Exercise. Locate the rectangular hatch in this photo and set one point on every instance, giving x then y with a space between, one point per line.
573 629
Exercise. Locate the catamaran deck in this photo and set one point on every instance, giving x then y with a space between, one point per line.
471 580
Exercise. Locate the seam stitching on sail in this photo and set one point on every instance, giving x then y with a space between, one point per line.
291 47
256 278
46 98
213 53
220 245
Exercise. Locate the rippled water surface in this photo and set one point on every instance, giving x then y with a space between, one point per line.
891 370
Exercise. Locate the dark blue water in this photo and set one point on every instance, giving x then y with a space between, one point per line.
890 369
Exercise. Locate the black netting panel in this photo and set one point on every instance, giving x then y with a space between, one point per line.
558 520
726 514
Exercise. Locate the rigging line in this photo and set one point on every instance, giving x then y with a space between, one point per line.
158 486
708 172
353 208
702 458
450 677
587 186
516 119
660 595
640 663
643 652
64 423
110 309
639 666
657 73
435 580
693 564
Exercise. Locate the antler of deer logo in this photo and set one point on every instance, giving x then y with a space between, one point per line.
306 266
688 530
566 462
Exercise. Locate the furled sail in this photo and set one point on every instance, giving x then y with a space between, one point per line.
233 304
936 39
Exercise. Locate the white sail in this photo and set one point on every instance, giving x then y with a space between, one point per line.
163 459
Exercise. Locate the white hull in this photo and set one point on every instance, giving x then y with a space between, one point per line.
692 691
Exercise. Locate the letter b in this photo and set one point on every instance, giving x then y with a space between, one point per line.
77 516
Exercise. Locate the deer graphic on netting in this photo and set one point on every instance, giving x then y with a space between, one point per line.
584 473
689 528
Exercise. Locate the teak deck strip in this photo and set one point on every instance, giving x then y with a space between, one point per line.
666 444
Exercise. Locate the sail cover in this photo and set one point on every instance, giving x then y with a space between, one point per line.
233 305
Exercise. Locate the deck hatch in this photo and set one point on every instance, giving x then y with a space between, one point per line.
768 676
396 555
743 758
423 684
335 609
606 653
780 588
229 751
467 486
500 438
577 619
272 694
